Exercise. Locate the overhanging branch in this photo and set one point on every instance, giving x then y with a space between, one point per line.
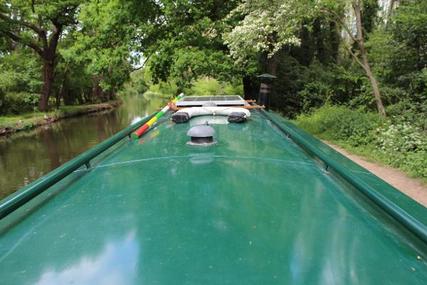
28 25
19 39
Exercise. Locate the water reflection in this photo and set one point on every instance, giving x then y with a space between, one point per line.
29 155
117 264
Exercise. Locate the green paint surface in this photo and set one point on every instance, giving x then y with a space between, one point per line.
252 209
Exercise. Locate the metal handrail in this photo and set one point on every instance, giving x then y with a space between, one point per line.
411 222
25 194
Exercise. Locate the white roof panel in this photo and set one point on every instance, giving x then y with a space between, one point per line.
222 100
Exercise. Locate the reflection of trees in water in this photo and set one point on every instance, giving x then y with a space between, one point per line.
29 155
50 145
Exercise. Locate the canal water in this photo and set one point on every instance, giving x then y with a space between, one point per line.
26 156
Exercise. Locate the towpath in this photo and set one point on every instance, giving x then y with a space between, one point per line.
413 188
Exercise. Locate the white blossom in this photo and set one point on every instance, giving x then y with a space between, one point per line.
267 27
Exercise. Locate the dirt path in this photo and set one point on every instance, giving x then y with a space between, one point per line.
414 188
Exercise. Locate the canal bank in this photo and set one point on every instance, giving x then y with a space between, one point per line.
26 156
13 124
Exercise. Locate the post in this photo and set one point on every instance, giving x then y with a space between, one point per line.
265 89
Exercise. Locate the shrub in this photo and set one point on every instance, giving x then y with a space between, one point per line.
206 86
18 102
211 86
162 90
342 124
398 141
413 112
415 164
401 137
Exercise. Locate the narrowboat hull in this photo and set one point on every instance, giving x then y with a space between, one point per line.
254 208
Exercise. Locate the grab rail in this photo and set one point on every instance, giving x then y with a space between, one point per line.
25 194
412 223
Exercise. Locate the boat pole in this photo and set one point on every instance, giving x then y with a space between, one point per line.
139 132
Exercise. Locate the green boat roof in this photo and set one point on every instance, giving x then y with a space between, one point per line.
254 208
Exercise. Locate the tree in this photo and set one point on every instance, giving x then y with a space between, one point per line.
398 52
39 25
184 41
103 45
335 10
268 26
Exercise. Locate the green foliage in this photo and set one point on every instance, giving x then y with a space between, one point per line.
266 26
32 23
211 86
394 141
106 58
400 137
333 84
136 85
200 87
18 102
233 88
399 53
300 88
189 43
189 64
19 82
404 146
342 124
162 90
205 86
20 71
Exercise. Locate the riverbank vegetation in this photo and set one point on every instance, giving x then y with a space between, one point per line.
25 121
361 62
396 141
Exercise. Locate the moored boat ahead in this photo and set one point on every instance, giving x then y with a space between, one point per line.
218 192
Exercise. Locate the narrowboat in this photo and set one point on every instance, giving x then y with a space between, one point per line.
212 190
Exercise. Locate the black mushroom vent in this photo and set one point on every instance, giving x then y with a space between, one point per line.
180 117
202 135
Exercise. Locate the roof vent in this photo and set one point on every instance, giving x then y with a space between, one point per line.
202 135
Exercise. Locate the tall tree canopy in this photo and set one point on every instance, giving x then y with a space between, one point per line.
342 51
39 26
187 41
269 26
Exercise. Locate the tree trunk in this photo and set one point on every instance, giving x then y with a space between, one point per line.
271 64
365 62
97 93
392 3
334 38
48 54
374 84
48 72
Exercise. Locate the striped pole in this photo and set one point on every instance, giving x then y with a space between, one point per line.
139 132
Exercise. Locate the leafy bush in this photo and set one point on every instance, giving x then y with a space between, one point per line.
405 146
19 82
398 141
162 89
407 111
18 102
205 86
211 86
415 164
401 137
341 124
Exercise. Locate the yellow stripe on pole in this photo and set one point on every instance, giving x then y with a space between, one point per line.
148 125
151 121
